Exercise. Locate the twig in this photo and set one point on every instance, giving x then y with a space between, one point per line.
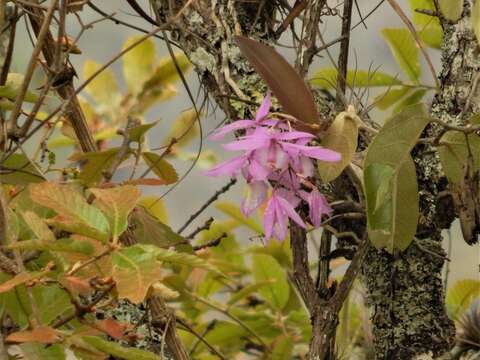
205 226
11 42
201 337
123 150
343 56
209 201
212 243
41 37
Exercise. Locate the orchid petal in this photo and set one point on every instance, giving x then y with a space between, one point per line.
264 108
269 218
256 194
248 143
290 211
230 167
236 125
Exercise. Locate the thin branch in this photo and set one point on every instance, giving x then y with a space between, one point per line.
209 201
41 37
343 56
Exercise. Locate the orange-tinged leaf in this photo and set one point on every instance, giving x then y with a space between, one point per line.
21 278
116 203
76 285
146 182
41 334
288 86
134 270
74 213
112 328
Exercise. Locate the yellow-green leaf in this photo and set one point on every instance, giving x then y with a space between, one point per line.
18 170
451 9
96 162
341 136
428 27
390 97
184 129
137 133
116 204
161 167
461 295
38 226
327 78
234 212
74 213
453 154
411 99
266 268
404 50
155 207
103 88
390 180
12 88
138 63
68 245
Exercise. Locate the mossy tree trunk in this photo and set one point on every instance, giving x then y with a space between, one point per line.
405 292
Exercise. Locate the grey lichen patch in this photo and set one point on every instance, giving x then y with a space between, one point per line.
203 60
405 293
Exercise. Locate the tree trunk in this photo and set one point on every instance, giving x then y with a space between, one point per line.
404 291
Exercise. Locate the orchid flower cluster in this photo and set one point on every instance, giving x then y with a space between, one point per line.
275 154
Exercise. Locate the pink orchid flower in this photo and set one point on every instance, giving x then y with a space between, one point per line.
277 213
274 153
261 114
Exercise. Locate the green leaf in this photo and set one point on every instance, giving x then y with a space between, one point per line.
404 50
390 180
135 269
155 206
138 63
18 170
150 230
327 78
96 162
282 348
160 85
116 204
161 167
137 133
247 291
61 245
428 27
451 9
234 212
39 351
454 154
412 99
103 88
341 136
74 213
38 226
461 295
118 350
266 268
180 258
390 97
184 129
12 87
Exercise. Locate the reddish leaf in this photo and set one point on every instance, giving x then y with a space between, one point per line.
76 285
148 182
287 85
112 327
23 278
41 334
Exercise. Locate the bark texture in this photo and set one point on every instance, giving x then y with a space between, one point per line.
405 291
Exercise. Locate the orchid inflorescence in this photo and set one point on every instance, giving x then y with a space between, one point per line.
274 153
